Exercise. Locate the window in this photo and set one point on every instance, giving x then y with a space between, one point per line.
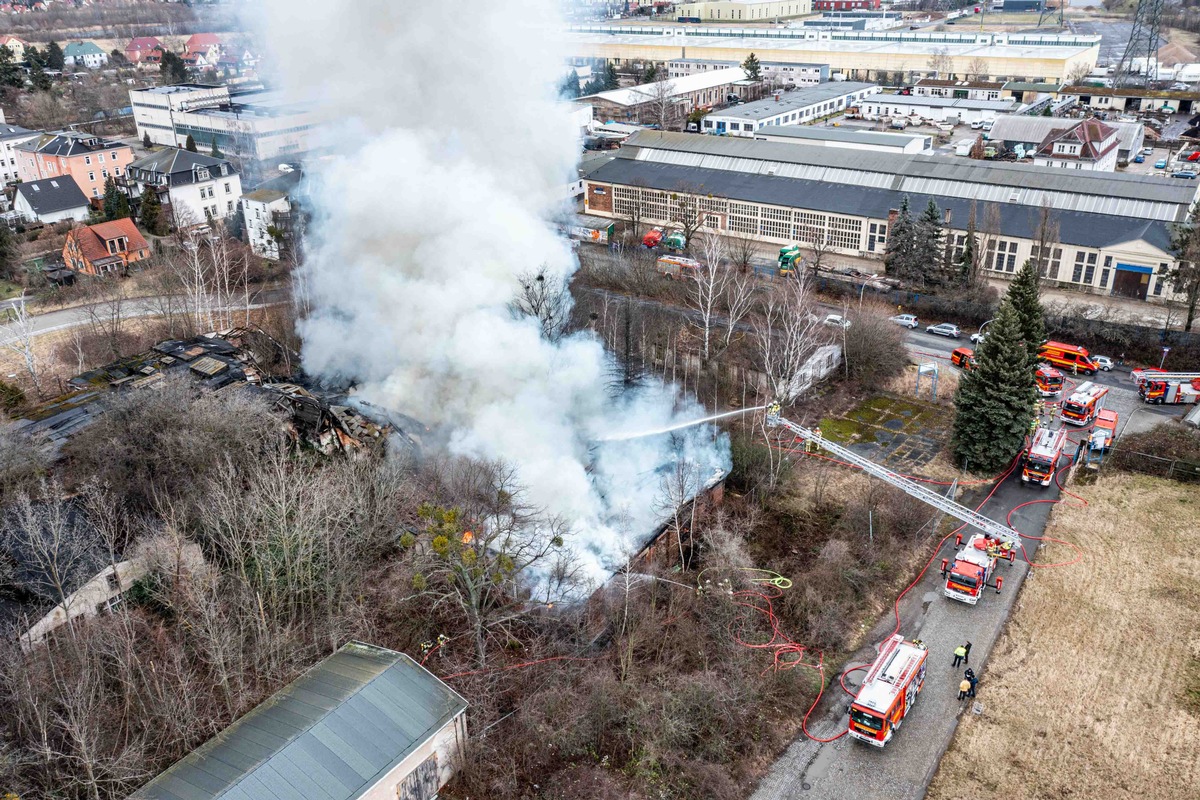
104 172
95 192
877 236
100 158
1002 255
114 583
227 189
91 176
1085 268
1050 262
87 159
229 206
117 171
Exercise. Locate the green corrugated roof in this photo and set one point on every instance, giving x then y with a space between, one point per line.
79 49
329 735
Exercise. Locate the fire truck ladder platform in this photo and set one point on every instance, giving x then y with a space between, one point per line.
974 519
1170 376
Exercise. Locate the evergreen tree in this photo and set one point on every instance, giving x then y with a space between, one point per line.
34 56
38 77
994 402
968 260
10 253
568 88
929 246
594 86
216 151
1024 293
10 73
752 67
116 204
1185 275
172 69
54 57
898 258
146 140
152 218
611 79
190 144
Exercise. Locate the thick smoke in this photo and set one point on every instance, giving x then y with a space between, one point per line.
450 155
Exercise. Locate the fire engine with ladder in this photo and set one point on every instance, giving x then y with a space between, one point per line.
898 672
1169 388
889 691
1041 457
1084 403
974 565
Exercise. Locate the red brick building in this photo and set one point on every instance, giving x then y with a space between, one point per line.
105 248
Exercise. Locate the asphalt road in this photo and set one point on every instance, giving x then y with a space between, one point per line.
850 770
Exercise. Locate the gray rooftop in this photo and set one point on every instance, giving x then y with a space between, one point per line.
1081 229
173 160
851 135
1138 196
15 132
790 101
1024 128
51 195
329 735
944 102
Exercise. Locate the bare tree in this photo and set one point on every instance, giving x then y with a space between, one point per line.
788 334
989 235
57 548
1046 251
685 211
676 491
738 301
940 62
106 318
708 290
544 297
978 69
821 246
1077 74
658 105
634 216
742 249
18 336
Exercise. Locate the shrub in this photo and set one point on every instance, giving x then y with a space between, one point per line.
874 350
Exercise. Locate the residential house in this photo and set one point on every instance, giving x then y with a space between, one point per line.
52 200
364 724
87 158
137 49
1087 144
197 187
197 61
205 44
105 248
84 54
15 45
10 137
267 215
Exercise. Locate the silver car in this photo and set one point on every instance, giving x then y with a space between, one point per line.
907 320
944 329
1103 362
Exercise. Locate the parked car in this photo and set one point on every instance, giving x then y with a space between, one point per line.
978 336
907 320
837 321
1160 164
977 124
1186 174
1103 362
1139 159
1147 151
944 329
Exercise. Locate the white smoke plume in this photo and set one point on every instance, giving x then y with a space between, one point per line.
451 155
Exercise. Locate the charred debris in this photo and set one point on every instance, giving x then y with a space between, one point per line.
243 359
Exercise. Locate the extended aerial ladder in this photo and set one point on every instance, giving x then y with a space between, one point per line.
1140 376
972 518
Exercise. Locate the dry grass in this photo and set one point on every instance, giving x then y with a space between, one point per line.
1091 691
905 383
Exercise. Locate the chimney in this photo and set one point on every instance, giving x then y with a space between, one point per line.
946 222
777 97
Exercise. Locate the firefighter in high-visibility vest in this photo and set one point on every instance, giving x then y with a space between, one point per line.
1033 426
1039 408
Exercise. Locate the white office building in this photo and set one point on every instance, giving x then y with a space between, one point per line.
779 73
848 138
788 108
937 109
260 126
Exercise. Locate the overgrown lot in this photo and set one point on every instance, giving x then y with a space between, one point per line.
1094 691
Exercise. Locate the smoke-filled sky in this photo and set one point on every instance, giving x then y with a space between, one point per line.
451 155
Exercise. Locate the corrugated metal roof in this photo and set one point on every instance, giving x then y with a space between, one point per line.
328 735
1101 192
790 101
852 135
1078 228
1023 128
646 92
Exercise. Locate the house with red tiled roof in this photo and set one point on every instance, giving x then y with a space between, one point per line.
1086 144
16 45
137 49
207 44
105 248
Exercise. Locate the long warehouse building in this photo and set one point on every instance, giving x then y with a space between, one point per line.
879 56
1113 230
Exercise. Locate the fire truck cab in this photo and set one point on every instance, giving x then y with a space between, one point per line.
1170 390
973 566
889 690
1041 458
1049 380
963 358
1084 403
1067 356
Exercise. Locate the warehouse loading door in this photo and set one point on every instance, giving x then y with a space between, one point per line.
1132 281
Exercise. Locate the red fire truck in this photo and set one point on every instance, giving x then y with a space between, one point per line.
889 690
1106 427
1084 403
1067 356
1170 388
1049 380
973 566
1041 457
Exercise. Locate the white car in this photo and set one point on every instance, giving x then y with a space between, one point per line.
944 329
1103 362
837 321
906 320
978 337
977 124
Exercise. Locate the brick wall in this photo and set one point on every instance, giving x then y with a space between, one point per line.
599 198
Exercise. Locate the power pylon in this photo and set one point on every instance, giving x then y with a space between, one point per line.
1144 42
1047 11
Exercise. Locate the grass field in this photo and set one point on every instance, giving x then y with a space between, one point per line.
1094 689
